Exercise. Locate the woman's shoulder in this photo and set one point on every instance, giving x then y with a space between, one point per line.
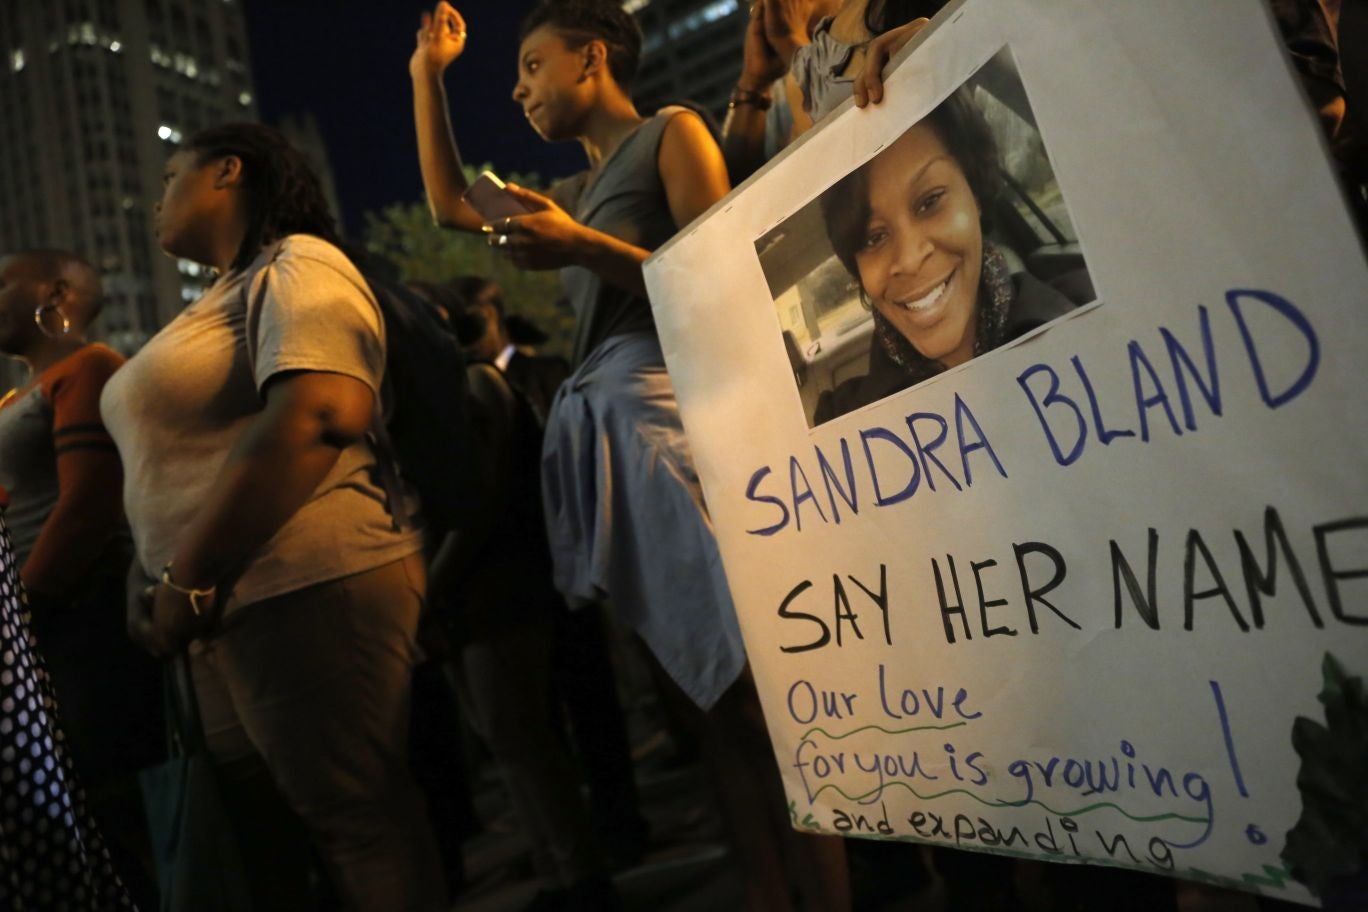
311 251
309 265
93 363
882 379
1034 304
97 356
834 403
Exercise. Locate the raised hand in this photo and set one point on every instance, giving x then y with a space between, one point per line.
761 65
441 39
869 84
546 238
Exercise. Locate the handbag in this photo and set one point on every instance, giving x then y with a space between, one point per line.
199 868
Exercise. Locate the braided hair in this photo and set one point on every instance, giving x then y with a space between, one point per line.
282 192
582 21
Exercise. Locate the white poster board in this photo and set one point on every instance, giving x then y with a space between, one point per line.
1067 599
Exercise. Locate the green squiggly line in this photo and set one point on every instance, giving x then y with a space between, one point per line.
1012 804
900 731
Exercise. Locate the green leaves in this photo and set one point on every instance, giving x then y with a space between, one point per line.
1330 840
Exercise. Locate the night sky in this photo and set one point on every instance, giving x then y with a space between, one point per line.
347 64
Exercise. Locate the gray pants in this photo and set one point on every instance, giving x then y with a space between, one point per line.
316 683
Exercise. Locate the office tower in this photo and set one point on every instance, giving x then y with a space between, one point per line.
95 94
692 51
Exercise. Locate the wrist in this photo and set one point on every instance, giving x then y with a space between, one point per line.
743 97
585 246
199 597
757 83
425 73
189 573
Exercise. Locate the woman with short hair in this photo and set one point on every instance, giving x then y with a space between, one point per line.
624 505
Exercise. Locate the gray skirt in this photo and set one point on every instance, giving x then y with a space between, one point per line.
626 518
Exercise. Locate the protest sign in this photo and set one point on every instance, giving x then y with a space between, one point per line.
1069 598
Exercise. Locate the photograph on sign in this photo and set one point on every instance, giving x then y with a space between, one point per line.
1093 592
951 241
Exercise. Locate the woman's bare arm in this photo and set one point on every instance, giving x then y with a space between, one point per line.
441 39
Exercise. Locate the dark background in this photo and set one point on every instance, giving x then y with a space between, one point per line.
347 64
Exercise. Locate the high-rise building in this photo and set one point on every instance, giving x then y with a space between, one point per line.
94 95
692 51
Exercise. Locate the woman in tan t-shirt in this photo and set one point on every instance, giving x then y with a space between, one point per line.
251 493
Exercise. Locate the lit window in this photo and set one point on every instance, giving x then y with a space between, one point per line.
17 60
88 33
245 98
719 9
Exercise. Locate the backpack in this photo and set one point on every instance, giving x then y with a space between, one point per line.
423 433
426 427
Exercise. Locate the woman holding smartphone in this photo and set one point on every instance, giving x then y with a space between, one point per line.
624 507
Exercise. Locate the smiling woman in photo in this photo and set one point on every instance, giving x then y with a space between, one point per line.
911 226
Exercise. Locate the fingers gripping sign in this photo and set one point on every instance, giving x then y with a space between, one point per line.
546 238
869 84
441 38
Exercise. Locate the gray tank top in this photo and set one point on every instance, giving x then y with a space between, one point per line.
28 468
816 70
627 201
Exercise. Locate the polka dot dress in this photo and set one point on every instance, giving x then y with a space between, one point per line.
52 858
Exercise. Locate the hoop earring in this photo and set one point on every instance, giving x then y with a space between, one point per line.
42 325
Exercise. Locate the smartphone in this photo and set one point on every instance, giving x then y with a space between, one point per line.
490 197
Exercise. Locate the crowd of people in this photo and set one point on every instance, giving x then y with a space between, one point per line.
235 493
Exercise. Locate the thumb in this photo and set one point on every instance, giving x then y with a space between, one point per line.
534 202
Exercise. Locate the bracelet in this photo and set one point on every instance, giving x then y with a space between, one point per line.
759 100
193 594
